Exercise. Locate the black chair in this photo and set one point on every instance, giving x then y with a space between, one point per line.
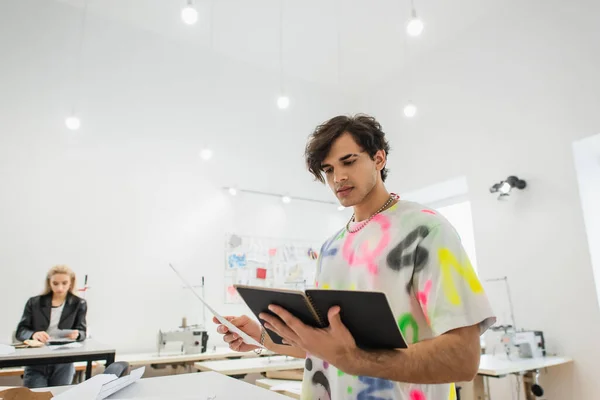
119 368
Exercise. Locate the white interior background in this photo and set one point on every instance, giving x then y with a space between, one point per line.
508 92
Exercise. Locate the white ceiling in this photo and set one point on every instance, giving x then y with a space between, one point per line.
372 39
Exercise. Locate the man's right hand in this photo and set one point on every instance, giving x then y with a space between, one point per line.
41 336
247 325
254 330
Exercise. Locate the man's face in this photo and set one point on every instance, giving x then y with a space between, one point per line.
349 170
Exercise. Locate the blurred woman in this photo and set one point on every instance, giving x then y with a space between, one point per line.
56 314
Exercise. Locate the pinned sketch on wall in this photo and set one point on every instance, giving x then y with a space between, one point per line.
282 263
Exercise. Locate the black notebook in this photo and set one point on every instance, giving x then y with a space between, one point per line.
367 315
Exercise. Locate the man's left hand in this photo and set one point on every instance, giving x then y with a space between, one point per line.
333 344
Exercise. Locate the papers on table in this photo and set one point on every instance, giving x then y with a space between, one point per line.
72 345
62 333
118 384
88 389
101 386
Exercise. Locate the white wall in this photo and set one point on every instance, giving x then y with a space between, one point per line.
587 162
127 194
510 96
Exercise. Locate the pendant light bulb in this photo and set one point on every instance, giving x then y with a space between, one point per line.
415 26
283 102
206 154
73 123
189 14
410 110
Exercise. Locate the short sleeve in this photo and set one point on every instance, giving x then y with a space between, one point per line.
447 287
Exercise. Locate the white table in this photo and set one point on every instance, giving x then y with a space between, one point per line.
497 366
205 385
292 389
500 366
219 353
89 351
251 365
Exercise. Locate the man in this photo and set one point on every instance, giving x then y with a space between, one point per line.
405 250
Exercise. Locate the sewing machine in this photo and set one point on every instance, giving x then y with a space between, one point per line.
193 339
515 343
530 344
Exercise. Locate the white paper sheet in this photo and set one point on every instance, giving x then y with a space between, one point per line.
62 333
232 328
88 389
101 386
73 345
121 383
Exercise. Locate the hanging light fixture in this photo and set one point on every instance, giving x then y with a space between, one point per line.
189 14
73 122
415 26
232 191
283 101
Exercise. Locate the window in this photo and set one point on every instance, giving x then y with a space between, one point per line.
459 215
587 165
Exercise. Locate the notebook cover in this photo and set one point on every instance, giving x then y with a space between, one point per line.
258 300
367 315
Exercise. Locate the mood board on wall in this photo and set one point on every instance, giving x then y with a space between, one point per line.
268 262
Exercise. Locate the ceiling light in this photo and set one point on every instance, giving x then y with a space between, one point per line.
232 191
206 154
341 208
415 27
283 102
189 14
410 110
286 199
73 123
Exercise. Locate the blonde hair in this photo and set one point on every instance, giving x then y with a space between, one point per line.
60 269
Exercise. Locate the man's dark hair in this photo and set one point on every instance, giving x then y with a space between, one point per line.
365 130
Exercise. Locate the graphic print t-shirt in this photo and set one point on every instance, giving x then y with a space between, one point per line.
415 257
